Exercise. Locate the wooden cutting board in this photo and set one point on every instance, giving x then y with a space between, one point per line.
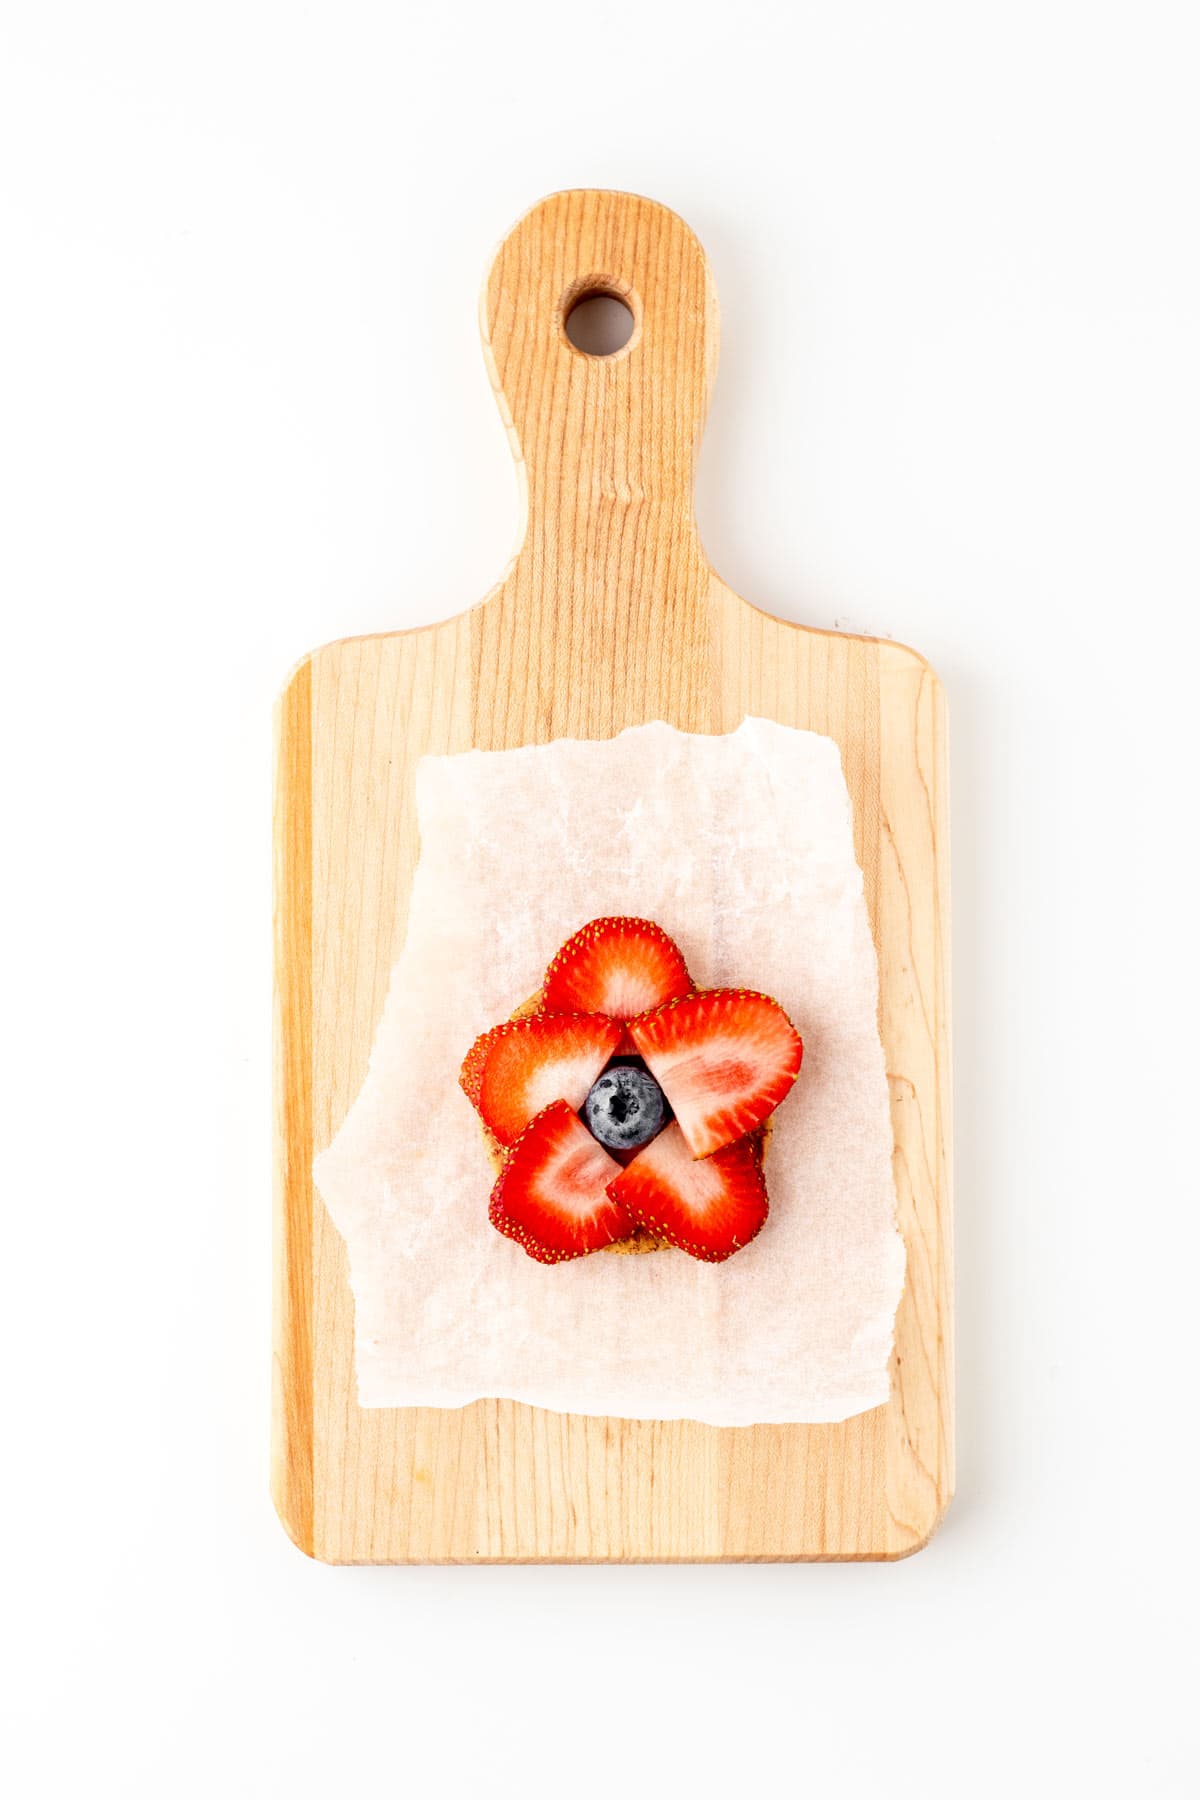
608 616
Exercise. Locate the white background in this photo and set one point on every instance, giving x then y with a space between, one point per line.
244 412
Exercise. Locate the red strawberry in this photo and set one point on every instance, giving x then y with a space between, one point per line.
512 1072
710 1208
552 1193
724 1058
471 1073
617 966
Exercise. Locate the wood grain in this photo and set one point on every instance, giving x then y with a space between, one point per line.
608 616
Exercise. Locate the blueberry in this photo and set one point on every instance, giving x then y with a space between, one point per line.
625 1107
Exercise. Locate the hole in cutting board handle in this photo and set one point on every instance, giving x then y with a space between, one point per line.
599 322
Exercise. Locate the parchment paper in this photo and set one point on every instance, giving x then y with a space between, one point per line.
739 846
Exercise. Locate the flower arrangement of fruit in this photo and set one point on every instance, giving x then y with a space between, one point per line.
625 1107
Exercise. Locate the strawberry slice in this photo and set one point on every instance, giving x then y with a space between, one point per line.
709 1208
470 1076
724 1058
512 1072
617 966
552 1193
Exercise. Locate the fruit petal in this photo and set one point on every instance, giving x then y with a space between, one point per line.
710 1207
617 966
471 1074
552 1196
724 1057
527 1063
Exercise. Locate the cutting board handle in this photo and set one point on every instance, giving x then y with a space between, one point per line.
597 438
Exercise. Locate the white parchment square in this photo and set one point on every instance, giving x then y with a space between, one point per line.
741 848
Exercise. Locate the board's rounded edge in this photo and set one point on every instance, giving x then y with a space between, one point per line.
893 650
926 1533
299 672
312 657
297 1533
889 646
